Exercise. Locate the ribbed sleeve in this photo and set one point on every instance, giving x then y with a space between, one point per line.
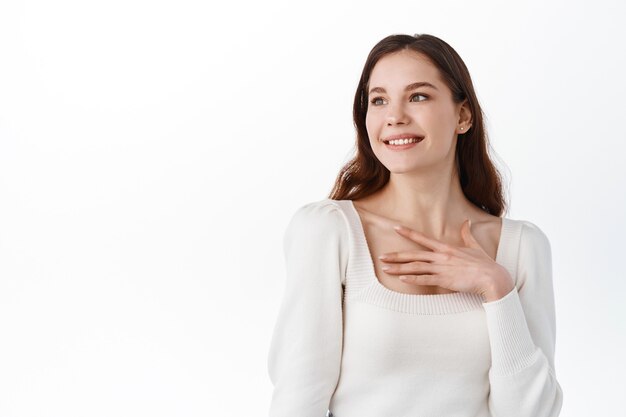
522 335
305 353
512 346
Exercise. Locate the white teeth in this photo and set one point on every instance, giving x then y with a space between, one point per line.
402 141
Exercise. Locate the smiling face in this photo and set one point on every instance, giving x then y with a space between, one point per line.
401 101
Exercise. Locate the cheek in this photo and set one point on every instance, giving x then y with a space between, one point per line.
435 122
442 117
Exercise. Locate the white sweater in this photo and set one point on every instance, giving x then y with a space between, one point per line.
345 344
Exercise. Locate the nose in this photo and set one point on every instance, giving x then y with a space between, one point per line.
396 114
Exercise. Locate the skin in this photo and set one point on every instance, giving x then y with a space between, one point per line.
424 193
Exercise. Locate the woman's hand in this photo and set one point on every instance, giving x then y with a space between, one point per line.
464 269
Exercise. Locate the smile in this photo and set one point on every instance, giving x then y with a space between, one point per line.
401 144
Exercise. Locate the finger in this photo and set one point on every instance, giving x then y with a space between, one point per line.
413 268
419 237
468 237
415 255
420 279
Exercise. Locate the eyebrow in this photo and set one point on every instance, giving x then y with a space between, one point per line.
408 87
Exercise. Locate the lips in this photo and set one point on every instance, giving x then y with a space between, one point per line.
403 136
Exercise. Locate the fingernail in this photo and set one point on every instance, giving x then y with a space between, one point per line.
382 257
397 227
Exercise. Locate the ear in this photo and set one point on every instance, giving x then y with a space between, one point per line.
465 117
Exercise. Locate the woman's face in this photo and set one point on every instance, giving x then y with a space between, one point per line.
425 111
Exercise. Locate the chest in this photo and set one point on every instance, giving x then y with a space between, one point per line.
382 238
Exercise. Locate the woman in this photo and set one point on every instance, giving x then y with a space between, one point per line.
471 329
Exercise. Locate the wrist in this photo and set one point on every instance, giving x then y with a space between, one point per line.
497 294
501 285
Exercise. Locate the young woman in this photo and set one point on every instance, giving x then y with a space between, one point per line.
457 318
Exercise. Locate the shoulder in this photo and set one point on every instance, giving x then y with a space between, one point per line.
533 272
318 218
533 236
324 212
535 253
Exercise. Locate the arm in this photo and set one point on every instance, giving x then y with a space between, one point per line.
522 333
305 353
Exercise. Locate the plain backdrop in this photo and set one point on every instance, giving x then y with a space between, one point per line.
152 153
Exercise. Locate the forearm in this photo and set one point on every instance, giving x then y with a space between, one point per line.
522 381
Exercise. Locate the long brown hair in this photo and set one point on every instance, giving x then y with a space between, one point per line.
365 174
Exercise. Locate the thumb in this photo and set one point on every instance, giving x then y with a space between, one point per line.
468 238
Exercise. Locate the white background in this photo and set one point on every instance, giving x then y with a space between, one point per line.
152 153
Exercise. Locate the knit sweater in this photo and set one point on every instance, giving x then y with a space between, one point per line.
345 345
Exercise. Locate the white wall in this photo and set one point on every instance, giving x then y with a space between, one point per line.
152 152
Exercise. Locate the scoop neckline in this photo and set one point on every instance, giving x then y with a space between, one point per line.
371 272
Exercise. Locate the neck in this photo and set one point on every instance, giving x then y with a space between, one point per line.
431 202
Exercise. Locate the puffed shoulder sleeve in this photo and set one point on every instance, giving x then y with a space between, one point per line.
306 347
522 331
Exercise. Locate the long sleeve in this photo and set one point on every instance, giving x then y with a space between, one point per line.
522 332
306 347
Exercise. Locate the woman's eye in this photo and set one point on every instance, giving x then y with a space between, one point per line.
416 95
375 100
